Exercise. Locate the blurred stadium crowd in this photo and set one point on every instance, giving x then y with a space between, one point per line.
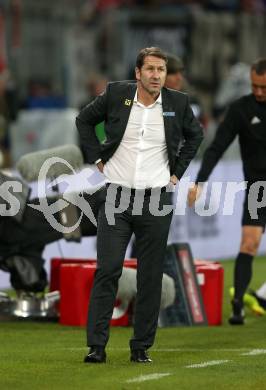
58 56
219 5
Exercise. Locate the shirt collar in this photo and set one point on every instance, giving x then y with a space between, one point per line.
158 100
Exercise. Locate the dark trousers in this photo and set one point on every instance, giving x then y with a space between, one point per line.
151 239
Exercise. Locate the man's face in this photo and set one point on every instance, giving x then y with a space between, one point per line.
152 74
258 84
174 81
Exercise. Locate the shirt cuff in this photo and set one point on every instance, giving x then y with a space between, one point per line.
97 161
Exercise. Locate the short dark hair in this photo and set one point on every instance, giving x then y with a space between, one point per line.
174 64
259 66
150 51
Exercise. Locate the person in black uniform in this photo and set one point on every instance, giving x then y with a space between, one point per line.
245 118
144 124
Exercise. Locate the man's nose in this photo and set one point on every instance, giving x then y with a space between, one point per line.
156 74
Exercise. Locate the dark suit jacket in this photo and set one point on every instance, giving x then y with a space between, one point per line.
114 107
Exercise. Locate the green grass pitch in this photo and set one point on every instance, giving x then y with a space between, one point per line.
50 356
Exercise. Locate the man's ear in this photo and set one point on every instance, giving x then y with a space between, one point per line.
137 72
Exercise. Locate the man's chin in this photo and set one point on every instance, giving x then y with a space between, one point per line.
154 91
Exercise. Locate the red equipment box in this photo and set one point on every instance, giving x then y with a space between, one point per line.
74 279
55 270
211 280
75 286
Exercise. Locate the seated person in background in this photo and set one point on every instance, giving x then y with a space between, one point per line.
176 79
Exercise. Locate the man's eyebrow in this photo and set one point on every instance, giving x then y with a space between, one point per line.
156 66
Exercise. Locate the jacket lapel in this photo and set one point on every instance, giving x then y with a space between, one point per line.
126 105
168 120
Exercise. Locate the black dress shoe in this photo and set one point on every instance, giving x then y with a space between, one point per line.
139 356
96 355
238 315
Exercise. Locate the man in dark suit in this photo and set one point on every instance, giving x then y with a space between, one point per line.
144 125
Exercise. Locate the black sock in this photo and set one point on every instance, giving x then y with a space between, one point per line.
242 274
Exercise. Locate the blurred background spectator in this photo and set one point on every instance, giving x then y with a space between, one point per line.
8 113
95 85
41 95
176 79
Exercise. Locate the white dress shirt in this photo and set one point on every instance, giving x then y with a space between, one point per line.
141 159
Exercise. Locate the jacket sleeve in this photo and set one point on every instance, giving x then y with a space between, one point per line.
225 135
192 138
88 118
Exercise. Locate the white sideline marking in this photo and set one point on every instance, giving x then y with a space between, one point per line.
149 377
254 352
206 364
198 349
